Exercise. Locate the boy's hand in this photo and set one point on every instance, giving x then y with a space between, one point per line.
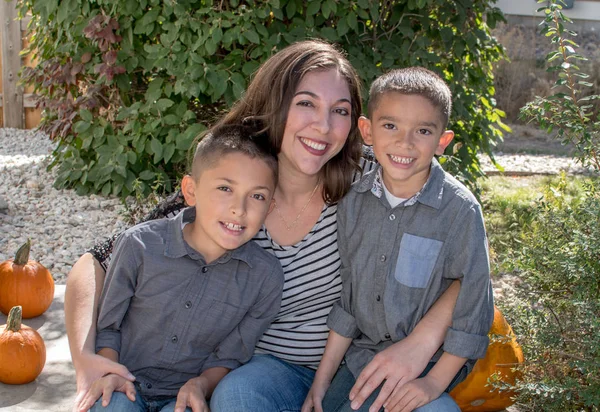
105 386
90 368
192 395
413 395
398 364
314 399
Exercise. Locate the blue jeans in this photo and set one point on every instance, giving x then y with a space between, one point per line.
119 402
265 384
336 398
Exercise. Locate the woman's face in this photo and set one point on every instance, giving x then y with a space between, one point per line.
319 120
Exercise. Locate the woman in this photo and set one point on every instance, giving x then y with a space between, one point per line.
307 96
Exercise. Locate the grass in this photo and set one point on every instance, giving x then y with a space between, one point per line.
508 206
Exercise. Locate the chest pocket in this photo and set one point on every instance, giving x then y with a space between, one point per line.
219 321
416 260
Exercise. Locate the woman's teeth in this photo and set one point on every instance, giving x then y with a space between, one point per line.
314 145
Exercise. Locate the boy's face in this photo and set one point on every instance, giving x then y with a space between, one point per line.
232 200
405 132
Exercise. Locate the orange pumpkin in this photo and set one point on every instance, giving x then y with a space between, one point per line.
25 283
22 351
503 354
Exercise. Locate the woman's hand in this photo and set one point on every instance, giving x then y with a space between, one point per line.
192 395
105 386
398 364
90 368
314 399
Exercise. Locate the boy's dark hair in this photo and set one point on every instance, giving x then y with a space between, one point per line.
226 139
413 80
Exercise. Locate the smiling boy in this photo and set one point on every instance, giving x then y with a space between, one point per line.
406 231
186 298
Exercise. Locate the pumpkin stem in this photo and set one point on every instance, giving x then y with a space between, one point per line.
13 323
22 256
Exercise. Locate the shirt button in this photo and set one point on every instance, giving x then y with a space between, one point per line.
188 304
392 217
174 339
382 258
378 298
149 385
204 269
387 335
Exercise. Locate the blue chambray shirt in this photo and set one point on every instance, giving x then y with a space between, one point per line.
396 262
171 316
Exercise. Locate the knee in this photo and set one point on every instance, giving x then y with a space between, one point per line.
119 402
444 403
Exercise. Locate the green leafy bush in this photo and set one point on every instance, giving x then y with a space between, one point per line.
127 84
556 309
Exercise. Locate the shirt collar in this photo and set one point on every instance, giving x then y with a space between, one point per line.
430 194
177 247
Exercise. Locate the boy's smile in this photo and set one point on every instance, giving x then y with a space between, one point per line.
406 131
232 199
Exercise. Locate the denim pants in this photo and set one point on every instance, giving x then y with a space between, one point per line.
119 402
265 384
336 399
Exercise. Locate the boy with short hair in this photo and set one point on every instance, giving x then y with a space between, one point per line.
187 298
406 231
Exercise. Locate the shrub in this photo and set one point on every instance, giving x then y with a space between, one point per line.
557 305
126 85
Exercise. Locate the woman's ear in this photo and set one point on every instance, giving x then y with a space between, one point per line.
364 125
188 188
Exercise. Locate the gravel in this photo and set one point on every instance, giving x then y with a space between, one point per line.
63 225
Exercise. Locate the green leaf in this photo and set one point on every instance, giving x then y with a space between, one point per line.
86 115
313 7
164 104
154 90
81 126
252 36
157 149
168 151
147 175
171 119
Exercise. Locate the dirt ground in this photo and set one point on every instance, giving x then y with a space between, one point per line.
528 139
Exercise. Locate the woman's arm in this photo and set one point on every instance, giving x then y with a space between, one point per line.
406 360
84 286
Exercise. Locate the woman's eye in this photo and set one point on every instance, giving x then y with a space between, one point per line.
258 196
224 188
304 103
343 111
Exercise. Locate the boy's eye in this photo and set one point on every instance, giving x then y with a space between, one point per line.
259 196
389 126
343 111
426 132
224 188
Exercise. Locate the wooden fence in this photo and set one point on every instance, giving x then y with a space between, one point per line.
18 105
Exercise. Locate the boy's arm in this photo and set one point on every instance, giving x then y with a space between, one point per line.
406 360
336 347
238 347
119 287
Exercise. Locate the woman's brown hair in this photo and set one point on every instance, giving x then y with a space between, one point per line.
270 93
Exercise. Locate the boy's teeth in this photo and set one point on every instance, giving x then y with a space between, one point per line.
232 226
314 145
403 160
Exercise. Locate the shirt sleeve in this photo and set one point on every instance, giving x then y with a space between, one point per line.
238 347
169 207
119 287
341 320
473 313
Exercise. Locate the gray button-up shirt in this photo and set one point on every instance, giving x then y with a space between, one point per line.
396 262
171 316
